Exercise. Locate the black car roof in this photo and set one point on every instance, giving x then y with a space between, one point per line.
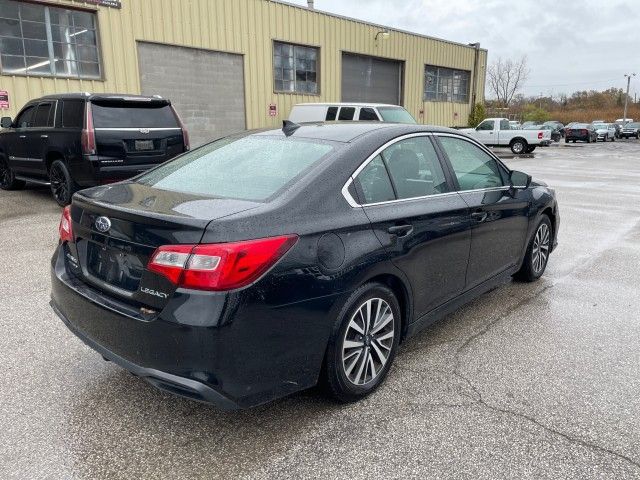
348 131
94 96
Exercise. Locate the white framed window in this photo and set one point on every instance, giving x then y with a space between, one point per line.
42 40
295 68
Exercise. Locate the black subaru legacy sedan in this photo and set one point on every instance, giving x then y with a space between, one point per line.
267 262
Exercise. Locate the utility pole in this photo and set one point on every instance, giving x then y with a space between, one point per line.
626 98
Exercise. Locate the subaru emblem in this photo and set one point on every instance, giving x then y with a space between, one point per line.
144 130
103 224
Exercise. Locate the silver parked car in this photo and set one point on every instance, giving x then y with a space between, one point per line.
605 131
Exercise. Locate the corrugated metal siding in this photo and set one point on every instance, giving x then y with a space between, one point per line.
249 27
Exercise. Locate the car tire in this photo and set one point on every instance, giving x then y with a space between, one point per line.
518 146
566 140
8 179
537 254
613 139
62 185
360 353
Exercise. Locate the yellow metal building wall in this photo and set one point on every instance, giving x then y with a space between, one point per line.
249 27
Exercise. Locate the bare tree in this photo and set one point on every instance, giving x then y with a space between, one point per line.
506 77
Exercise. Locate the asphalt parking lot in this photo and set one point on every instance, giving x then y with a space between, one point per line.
529 381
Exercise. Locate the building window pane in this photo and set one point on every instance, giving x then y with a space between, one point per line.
47 41
295 68
446 85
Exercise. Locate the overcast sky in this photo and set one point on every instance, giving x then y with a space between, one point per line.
570 44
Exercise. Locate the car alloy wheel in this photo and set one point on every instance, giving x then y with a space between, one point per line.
368 341
59 184
6 177
540 248
517 147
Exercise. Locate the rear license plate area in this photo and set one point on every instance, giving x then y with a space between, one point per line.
143 145
114 267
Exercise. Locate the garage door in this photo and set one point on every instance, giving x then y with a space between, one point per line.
371 79
206 87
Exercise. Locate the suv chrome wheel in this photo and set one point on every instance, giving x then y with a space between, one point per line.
540 248
368 341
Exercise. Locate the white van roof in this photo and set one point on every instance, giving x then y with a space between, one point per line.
349 104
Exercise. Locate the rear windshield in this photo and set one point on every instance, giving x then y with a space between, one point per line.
395 115
247 168
633 125
127 115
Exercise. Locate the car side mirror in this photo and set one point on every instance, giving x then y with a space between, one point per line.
519 179
6 122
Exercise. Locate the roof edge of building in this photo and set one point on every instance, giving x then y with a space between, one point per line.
377 25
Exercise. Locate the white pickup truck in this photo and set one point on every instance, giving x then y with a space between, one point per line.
496 132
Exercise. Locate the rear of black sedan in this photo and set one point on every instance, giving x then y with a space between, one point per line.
238 272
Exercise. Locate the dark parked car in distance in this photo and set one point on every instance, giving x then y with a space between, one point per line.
556 125
74 141
556 135
268 261
631 130
583 132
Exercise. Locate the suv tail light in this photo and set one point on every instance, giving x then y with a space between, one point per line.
185 133
540 135
219 266
65 229
88 138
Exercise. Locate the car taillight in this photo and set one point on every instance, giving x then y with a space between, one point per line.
185 133
88 138
219 266
540 135
65 229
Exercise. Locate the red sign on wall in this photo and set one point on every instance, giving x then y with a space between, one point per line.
4 100
273 110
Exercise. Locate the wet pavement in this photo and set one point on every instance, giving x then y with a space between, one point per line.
529 381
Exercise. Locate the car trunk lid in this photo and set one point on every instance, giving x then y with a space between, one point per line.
118 227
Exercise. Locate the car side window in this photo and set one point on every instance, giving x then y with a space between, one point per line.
368 114
473 167
414 168
504 125
43 114
331 113
486 125
24 120
347 113
72 113
374 182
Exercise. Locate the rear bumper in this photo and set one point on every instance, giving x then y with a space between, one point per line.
227 349
545 143
101 170
182 386
574 137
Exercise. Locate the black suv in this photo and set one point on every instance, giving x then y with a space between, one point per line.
73 141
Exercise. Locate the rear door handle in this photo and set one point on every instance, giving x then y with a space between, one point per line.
23 136
479 216
401 230
44 136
